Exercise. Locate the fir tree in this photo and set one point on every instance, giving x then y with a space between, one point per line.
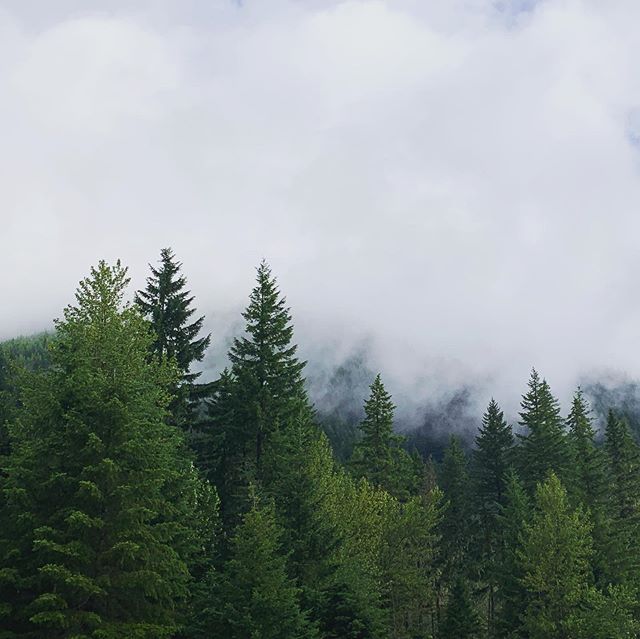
167 304
511 595
555 555
378 455
544 445
169 308
269 386
257 598
623 456
588 480
460 618
97 490
492 460
456 523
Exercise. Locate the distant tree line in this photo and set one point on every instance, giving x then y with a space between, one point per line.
137 502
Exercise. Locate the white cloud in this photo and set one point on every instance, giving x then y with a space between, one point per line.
459 179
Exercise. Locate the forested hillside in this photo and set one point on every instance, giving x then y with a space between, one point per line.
138 501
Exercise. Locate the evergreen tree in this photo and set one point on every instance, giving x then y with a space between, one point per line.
257 598
456 520
269 388
492 460
555 554
98 493
410 565
588 480
511 595
167 304
378 455
544 445
623 456
460 618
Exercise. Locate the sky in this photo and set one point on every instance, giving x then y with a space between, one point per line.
452 185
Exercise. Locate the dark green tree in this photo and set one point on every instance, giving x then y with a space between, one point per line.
460 618
269 389
587 483
543 446
511 596
169 308
168 305
491 463
257 598
379 455
98 492
623 457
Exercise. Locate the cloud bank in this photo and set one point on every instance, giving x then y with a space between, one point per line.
457 183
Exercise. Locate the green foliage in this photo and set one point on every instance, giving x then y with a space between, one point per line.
491 463
378 455
543 446
623 458
95 541
511 597
587 483
168 306
554 558
460 618
256 597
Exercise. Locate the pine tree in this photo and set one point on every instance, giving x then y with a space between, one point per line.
511 595
460 618
98 491
544 445
588 480
410 564
456 521
623 456
269 386
378 455
257 598
555 555
167 304
492 460
169 308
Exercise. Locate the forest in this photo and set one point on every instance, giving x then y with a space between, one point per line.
140 502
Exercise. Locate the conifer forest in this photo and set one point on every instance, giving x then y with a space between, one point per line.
140 501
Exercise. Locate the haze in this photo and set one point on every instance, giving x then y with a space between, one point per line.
455 184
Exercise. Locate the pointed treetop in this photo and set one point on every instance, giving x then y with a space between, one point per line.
169 308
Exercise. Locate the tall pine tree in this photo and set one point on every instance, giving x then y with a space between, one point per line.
492 460
587 483
623 457
168 305
257 598
543 446
98 493
378 455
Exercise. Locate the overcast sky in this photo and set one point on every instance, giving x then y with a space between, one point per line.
456 181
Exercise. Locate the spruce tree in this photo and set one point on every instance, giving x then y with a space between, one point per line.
168 305
554 557
623 457
543 446
455 527
257 598
492 460
587 478
378 455
269 389
460 618
98 492
510 600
